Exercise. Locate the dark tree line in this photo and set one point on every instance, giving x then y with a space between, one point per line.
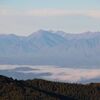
38 89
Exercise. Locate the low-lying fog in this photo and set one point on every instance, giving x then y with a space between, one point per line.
54 73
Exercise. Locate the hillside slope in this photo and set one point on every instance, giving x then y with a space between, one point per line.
45 90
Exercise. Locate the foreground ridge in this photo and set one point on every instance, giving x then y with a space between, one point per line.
38 89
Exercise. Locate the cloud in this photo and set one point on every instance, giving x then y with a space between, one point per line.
59 73
8 12
49 12
62 12
94 14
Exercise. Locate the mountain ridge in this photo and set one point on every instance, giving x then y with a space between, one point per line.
51 48
51 31
38 89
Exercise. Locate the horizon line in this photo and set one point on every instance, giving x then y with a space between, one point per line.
52 31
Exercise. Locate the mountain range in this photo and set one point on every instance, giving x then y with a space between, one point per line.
51 48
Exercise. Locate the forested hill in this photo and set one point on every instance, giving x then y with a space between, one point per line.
38 89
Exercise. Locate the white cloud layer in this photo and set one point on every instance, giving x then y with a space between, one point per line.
49 12
59 73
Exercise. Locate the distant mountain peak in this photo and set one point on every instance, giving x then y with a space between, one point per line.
42 33
39 32
58 48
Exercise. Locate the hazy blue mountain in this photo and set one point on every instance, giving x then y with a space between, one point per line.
51 48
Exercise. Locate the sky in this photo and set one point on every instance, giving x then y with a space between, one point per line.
23 17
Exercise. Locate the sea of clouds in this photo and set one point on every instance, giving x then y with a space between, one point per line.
53 73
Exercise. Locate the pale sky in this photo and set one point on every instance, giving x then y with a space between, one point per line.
23 17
